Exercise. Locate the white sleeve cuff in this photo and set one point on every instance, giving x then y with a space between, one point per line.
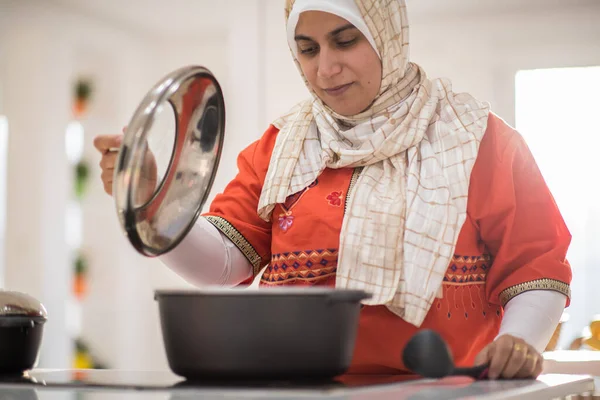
207 257
533 316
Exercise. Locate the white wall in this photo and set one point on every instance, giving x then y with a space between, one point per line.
45 48
36 256
284 87
249 56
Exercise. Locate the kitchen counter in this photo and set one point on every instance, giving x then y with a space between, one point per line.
572 362
128 385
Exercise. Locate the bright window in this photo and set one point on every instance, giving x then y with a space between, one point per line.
74 140
74 137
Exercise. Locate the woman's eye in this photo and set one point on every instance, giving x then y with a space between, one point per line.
308 50
346 43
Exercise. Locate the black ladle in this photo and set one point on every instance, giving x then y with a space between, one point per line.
428 355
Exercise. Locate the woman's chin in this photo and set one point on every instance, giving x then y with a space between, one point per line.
345 110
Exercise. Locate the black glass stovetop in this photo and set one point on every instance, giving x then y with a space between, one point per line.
159 380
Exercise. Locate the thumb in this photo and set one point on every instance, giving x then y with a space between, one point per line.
485 355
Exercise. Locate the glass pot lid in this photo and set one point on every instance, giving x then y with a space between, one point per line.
17 304
168 159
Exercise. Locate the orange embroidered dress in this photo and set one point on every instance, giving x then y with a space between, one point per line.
513 240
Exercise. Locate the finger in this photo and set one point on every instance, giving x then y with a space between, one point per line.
108 160
107 176
484 355
502 351
108 187
517 358
528 368
539 367
104 143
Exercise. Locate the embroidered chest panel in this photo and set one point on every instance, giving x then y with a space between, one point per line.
305 237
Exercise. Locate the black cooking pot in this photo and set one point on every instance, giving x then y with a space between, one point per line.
275 333
22 320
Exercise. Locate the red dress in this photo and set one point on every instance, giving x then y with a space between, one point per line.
513 240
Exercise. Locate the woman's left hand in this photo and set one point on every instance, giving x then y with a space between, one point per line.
510 358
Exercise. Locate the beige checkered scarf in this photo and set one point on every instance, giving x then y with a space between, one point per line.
417 143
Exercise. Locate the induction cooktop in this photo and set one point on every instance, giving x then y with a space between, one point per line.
164 380
153 385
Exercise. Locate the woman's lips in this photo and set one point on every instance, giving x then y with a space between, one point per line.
338 90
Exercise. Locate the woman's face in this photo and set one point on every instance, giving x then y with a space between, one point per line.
338 61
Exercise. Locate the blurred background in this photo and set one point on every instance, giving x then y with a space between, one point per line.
73 69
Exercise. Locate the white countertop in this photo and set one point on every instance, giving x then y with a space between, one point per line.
572 362
546 387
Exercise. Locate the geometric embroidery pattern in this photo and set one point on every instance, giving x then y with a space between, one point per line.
309 265
467 269
539 284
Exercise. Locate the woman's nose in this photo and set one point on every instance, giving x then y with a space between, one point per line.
329 64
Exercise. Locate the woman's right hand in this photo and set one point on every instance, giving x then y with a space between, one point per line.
108 146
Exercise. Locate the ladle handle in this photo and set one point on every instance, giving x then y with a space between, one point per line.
477 372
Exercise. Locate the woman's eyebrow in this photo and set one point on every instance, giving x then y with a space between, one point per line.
332 33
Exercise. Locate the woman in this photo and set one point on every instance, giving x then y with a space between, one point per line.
389 182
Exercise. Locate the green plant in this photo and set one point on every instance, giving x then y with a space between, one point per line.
83 89
80 265
82 173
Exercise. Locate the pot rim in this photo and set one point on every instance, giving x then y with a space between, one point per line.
275 291
21 321
296 292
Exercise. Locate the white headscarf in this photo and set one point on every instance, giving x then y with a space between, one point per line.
346 9
417 143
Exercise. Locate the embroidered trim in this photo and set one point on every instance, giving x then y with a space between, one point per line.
313 276
238 239
353 180
467 269
310 265
540 284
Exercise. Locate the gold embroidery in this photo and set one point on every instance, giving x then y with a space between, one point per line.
238 239
539 284
353 180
